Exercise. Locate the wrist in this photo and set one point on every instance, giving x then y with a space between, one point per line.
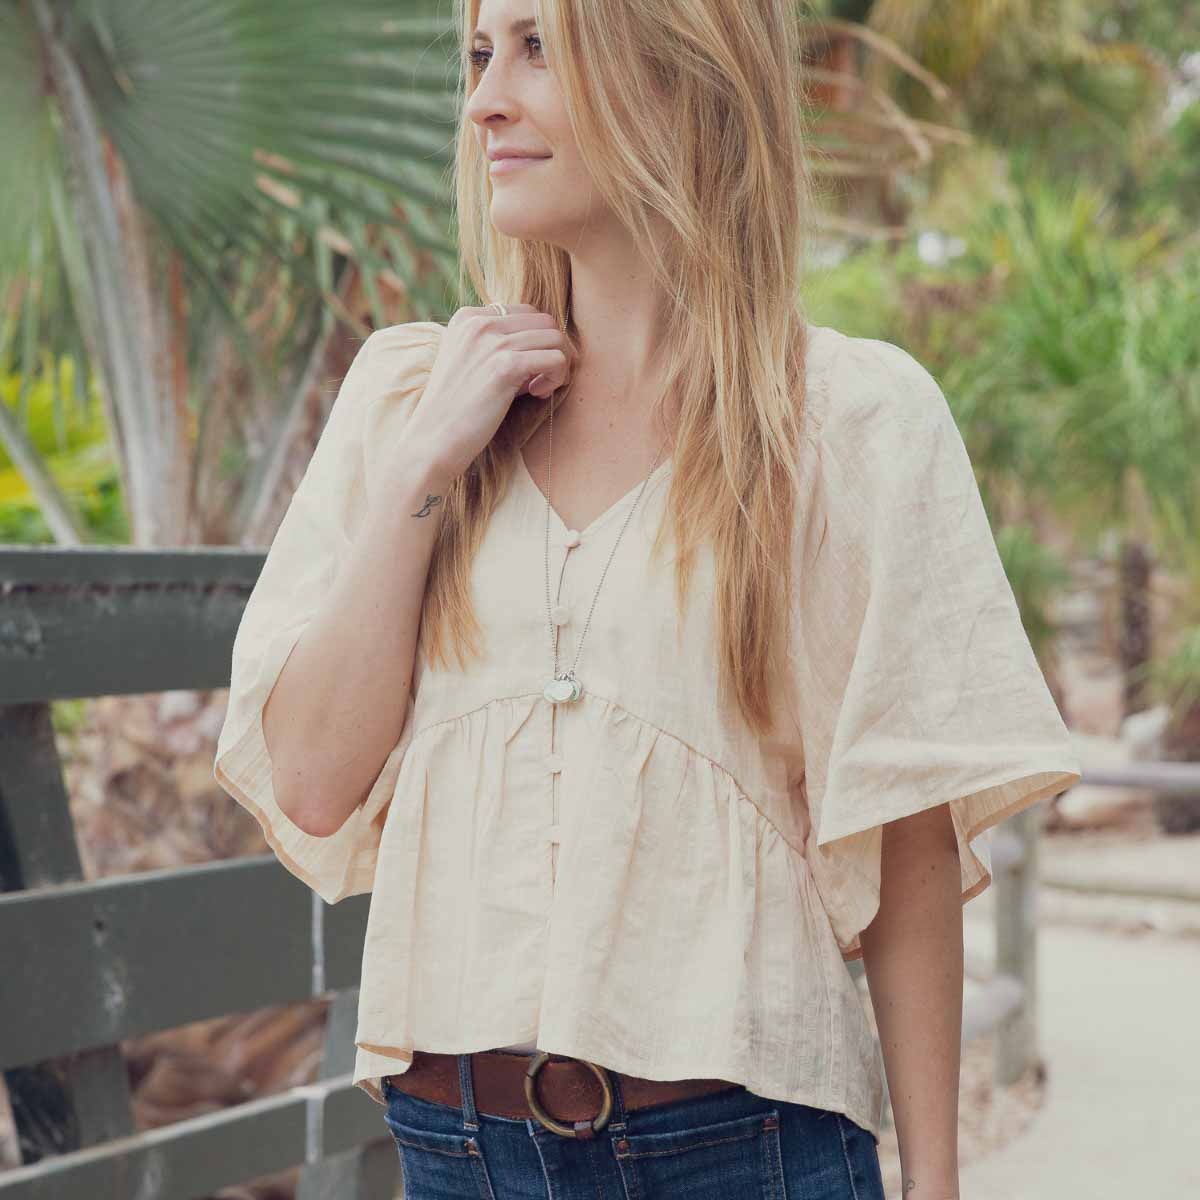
408 481
911 1191
928 1186
423 464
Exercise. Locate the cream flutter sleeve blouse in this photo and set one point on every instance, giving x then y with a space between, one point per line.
634 878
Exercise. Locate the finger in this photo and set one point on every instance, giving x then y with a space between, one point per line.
493 310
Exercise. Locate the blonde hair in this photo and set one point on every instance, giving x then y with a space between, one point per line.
737 198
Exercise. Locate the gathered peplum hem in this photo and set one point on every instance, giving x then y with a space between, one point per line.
663 859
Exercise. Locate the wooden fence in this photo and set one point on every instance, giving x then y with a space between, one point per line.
86 964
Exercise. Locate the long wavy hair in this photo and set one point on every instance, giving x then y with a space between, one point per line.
686 110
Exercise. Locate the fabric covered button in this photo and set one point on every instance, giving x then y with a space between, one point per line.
571 538
554 762
560 614
554 833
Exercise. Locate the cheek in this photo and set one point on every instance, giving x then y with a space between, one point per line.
572 190
546 107
568 167
567 163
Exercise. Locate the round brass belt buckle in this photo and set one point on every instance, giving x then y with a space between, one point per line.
596 1124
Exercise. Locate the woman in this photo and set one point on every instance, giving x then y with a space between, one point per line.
734 689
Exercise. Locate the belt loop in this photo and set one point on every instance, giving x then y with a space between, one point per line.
467 1093
618 1101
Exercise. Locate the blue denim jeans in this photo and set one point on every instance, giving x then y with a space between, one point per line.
732 1143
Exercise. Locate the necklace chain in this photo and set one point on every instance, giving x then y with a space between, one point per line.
569 675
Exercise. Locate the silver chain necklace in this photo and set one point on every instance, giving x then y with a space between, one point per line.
563 687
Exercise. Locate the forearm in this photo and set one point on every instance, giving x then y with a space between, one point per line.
913 956
339 704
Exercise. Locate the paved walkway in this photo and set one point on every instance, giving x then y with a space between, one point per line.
1120 1035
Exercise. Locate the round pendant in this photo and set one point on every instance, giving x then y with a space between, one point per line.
559 690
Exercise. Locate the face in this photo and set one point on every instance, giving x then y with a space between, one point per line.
516 105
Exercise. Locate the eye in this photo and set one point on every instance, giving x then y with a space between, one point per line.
480 58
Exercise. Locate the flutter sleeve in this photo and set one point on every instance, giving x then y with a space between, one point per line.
378 393
916 682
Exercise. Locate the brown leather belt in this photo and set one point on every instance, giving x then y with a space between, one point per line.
521 1085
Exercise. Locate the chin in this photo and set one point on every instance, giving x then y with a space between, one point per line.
516 220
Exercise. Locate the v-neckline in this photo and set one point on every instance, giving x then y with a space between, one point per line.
617 505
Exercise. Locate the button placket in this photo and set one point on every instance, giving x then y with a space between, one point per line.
559 615
551 719
553 786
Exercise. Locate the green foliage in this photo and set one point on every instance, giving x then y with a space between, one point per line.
1169 27
861 295
72 441
1065 349
62 429
1176 676
1038 77
1170 189
1036 574
99 503
68 717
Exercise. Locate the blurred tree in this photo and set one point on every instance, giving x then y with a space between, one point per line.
863 144
209 194
1085 374
1163 184
205 198
1171 27
1034 75
1166 398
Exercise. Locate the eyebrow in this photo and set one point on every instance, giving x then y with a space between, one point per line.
515 28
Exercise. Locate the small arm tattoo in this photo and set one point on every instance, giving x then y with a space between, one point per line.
430 501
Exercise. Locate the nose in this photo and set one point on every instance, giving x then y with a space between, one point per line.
493 96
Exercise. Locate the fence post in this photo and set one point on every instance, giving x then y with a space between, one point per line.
367 1172
1016 942
83 1099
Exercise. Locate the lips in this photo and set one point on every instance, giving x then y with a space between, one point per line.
505 166
499 155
